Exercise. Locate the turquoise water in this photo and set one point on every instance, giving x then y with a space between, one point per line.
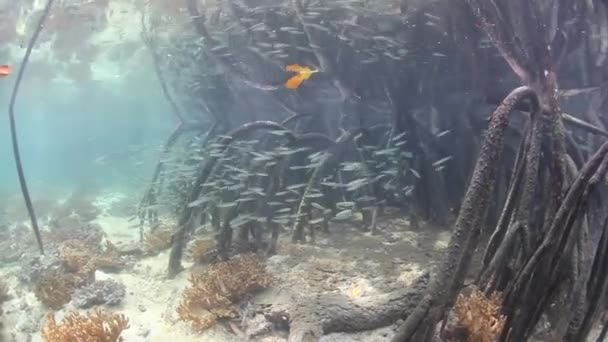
96 134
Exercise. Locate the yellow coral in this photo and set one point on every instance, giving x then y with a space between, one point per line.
98 327
212 294
480 316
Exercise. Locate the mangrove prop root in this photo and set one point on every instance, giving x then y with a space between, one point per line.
540 276
558 227
598 280
509 206
473 209
521 220
280 172
178 238
332 154
11 115
329 313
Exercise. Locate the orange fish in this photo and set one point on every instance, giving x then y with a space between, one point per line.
5 70
302 74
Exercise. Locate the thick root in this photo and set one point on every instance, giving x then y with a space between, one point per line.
310 318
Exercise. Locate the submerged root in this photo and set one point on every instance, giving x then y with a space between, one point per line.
310 318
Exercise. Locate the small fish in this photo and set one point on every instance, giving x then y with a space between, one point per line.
317 206
386 151
288 28
5 70
350 166
332 184
415 173
199 201
345 204
281 220
366 198
356 184
314 195
245 199
240 220
399 136
319 27
391 172
441 161
296 186
578 91
343 215
302 74
408 190
316 221
442 133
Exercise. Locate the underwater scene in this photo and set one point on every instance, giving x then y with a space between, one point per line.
303 170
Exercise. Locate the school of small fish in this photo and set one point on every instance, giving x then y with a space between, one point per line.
241 182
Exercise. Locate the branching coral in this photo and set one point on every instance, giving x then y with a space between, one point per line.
98 327
212 294
157 241
54 288
480 316
201 250
78 256
79 261
109 259
109 292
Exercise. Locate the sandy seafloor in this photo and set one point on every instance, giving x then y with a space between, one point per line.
347 261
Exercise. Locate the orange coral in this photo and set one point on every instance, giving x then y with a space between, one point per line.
80 260
201 250
156 241
54 288
78 256
480 316
110 260
98 327
212 294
